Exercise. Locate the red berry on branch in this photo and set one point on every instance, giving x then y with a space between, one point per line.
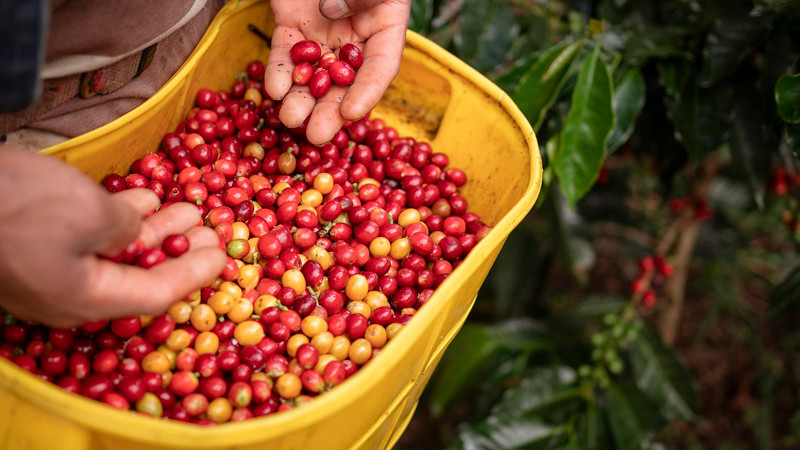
649 299
679 204
647 263
703 211
664 268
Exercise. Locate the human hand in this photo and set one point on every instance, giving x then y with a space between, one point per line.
54 225
377 27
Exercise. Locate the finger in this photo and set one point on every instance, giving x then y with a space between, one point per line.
142 200
176 218
337 9
200 237
326 119
125 290
297 105
278 75
121 221
54 317
382 54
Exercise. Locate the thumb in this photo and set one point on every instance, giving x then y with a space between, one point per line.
337 9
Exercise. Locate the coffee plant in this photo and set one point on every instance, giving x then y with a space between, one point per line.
671 130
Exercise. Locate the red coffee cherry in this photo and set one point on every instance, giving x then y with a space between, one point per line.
307 50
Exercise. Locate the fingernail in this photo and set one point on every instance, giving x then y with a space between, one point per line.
334 9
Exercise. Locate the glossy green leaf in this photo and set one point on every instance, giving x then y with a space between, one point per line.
590 426
793 139
521 334
653 42
752 145
468 355
510 79
597 305
470 23
787 96
623 420
786 295
628 101
513 286
572 235
535 34
489 387
776 7
662 377
593 433
731 38
541 388
673 75
497 37
502 432
421 15
485 32
539 86
702 118
475 349
586 129
715 116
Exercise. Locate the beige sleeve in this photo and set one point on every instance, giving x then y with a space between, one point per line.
86 35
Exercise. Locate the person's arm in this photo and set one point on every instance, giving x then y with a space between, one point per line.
377 27
55 223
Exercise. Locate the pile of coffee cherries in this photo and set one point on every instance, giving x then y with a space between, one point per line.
331 250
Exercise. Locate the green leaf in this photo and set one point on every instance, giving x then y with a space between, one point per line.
786 295
493 382
475 349
497 38
653 42
662 377
520 334
467 356
501 433
485 32
511 279
510 78
470 22
673 76
592 429
421 15
539 86
572 234
629 96
598 305
535 34
590 426
586 129
787 96
752 146
793 139
776 7
623 420
702 118
541 388
731 38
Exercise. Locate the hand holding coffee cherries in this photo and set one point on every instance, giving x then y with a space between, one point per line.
56 223
376 28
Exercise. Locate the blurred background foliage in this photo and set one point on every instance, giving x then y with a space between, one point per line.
650 298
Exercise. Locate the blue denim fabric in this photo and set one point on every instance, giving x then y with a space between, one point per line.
23 27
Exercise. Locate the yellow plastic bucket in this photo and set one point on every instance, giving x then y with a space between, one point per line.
436 98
